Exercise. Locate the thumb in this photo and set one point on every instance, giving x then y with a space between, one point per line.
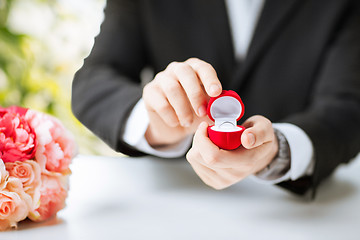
202 141
201 131
259 132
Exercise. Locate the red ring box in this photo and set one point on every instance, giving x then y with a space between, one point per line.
225 110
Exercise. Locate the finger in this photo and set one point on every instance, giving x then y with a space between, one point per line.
193 156
210 151
208 175
258 131
225 174
243 159
177 98
192 86
156 102
207 76
203 173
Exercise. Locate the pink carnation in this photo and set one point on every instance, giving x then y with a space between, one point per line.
56 146
14 204
35 153
17 138
29 173
53 194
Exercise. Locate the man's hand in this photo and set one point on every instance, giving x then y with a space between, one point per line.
221 168
176 100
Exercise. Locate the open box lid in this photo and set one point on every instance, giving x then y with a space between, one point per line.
227 107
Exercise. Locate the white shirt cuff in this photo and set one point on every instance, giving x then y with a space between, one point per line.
301 154
134 135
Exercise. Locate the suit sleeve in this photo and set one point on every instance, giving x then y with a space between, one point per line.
108 85
332 120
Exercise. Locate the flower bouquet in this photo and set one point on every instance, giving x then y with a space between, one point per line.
35 153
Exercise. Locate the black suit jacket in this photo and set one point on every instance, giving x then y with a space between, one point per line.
303 67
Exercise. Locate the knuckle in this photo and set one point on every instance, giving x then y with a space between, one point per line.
213 158
160 80
190 155
262 120
196 95
204 67
267 123
163 108
266 128
255 117
146 90
170 121
185 114
172 87
187 117
172 65
149 86
196 63
193 60
181 67
159 76
199 66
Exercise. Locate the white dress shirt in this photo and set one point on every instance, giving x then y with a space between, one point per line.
243 16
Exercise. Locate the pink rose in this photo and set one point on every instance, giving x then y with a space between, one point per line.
29 173
4 175
17 138
53 193
14 204
56 146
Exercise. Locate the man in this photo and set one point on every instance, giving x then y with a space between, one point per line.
295 63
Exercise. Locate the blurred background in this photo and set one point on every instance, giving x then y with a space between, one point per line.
42 45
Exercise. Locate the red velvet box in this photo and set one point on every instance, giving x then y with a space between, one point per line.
225 110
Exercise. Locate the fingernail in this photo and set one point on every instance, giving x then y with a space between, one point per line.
214 89
251 139
202 111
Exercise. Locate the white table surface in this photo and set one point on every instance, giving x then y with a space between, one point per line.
149 198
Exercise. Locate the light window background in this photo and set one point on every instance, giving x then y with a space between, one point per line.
42 45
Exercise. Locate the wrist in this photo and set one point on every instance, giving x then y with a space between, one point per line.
273 152
280 162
